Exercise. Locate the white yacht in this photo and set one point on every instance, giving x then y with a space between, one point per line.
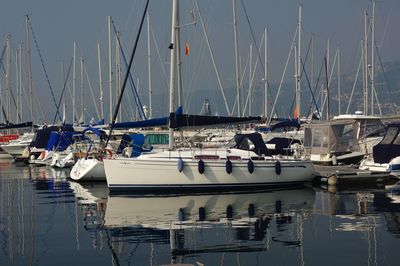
17 147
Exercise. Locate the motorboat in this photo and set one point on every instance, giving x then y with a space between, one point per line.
385 156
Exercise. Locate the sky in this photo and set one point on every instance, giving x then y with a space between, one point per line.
58 24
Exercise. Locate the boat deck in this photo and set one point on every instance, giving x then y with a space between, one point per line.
347 174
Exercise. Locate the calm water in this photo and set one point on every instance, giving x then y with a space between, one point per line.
47 220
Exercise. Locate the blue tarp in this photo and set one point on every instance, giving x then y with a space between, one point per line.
136 141
59 141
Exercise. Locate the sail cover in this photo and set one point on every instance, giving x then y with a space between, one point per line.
185 120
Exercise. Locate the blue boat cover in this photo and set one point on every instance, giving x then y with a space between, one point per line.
42 135
59 141
155 122
136 141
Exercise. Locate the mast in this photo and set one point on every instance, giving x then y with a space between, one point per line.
64 103
82 118
28 52
110 66
373 58
100 83
172 68
250 75
17 83
236 58
178 60
327 69
366 63
298 89
265 73
338 79
118 72
8 80
74 85
149 65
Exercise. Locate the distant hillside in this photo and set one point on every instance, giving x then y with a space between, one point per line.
387 87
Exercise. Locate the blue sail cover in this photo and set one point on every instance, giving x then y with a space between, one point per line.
59 141
42 135
185 120
155 122
285 124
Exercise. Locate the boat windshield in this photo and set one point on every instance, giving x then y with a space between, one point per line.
371 128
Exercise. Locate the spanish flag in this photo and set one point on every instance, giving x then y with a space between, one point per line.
187 48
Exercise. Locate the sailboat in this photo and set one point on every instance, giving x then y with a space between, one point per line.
244 164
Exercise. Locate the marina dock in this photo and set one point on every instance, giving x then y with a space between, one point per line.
348 174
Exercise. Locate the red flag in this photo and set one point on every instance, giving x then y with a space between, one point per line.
296 112
187 48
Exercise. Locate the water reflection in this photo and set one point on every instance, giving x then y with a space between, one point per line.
197 224
43 216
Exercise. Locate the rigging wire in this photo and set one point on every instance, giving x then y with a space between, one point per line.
62 93
127 73
133 85
44 68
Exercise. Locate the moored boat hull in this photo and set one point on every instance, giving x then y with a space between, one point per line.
163 174
87 169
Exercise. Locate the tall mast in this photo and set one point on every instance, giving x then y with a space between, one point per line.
100 83
250 75
28 52
172 68
9 75
265 72
338 79
82 118
178 60
110 66
20 82
236 58
74 86
118 72
373 58
17 83
64 103
149 65
365 63
327 69
298 89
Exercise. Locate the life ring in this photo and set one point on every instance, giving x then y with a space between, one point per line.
278 168
250 166
228 166
200 166
180 164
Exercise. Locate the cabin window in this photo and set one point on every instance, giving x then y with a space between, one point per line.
391 134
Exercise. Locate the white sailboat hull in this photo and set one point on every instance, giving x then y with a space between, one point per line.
88 170
151 174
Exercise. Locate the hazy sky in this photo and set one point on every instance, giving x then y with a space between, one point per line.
58 24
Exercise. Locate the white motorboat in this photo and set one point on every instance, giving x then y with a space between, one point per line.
345 141
17 147
386 155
